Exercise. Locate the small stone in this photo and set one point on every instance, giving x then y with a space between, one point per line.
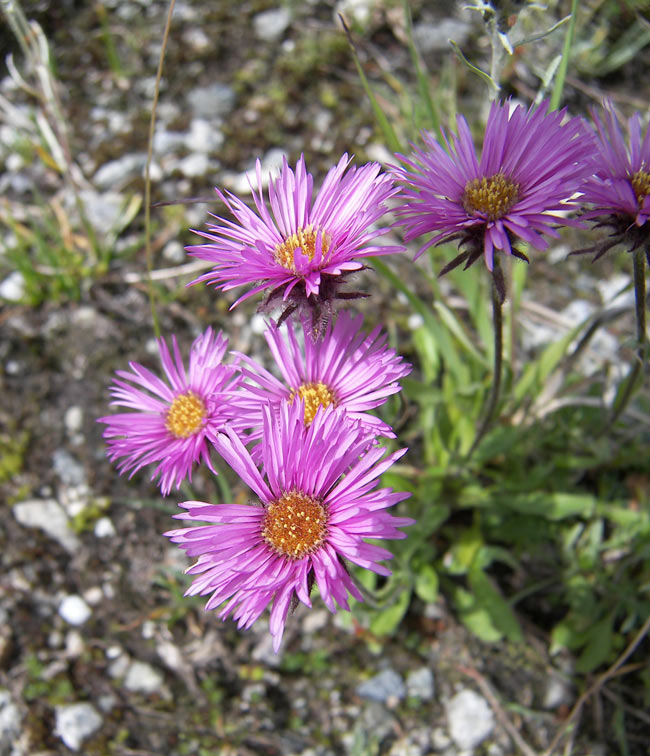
557 693
75 723
118 172
69 470
73 419
194 165
315 620
74 610
470 719
420 684
48 516
382 687
203 136
431 36
215 100
271 24
174 252
13 287
10 722
94 595
104 528
143 678
74 644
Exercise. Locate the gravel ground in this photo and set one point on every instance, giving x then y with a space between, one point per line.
99 652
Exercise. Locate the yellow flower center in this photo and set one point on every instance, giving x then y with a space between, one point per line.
315 395
185 415
641 184
305 240
493 196
294 525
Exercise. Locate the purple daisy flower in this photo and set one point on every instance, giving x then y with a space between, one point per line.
303 248
531 166
346 369
173 421
318 502
620 189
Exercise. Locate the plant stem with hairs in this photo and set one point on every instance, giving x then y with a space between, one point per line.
621 402
497 321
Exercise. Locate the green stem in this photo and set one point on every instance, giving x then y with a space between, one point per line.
497 320
639 295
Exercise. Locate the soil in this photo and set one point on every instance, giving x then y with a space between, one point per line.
215 690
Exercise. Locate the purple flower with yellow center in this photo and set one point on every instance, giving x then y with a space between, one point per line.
174 421
302 249
318 502
619 192
532 164
347 368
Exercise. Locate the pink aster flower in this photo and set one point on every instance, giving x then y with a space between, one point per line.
303 247
173 421
318 502
532 164
347 368
619 192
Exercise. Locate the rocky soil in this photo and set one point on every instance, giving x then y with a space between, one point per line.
99 651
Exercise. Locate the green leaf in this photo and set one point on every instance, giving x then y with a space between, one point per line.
426 584
385 621
552 506
598 647
491 600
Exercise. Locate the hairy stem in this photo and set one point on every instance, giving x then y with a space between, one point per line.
621 402
497 321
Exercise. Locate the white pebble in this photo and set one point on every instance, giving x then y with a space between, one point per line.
75 723
104 528
74 610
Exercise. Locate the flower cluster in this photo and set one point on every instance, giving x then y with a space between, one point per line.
304 439
302 436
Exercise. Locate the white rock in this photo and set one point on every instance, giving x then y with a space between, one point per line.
168 141
174 251
74 644
203 136
612 291
48 516
194 165
215 100
420 684
118 172
74 610
271 24
430 36
143 678
104 528
470 719
69 470
104 211
13 287
10 722
358 11
94 595
382 687
73 419
75 723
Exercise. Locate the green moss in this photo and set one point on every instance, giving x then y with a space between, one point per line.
12 454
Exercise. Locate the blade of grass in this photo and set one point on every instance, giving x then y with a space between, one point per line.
390 137
558 86
423 84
